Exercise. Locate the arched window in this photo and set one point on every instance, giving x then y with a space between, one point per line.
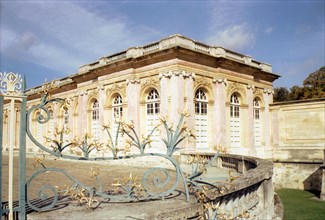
152 109
95 119
235 121
51 124
201 119
65 117
257 122
117 106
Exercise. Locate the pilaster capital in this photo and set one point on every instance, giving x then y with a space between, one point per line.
172 73
252 87
83 93
268 91
219 80
133 81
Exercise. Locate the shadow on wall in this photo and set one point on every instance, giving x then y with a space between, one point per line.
313 183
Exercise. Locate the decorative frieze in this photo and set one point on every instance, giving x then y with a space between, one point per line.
182 73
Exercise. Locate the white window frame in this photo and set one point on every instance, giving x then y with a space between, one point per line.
152 111
117 110
257 122
95 119
201 119
235 127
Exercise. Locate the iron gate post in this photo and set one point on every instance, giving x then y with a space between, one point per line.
22 160
1 134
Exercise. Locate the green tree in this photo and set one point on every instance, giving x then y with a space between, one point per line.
314 84
296 93
313 87
281 94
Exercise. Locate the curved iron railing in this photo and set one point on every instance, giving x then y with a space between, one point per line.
152 186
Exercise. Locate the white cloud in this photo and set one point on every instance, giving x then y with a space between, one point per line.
235 37
268 30
64 35
7 38
27 40
303 29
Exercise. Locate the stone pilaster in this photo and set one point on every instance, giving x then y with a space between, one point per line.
250 119
178 85
101 102
268 99
164 84
133 94
82 114
176 97
189 91
220 112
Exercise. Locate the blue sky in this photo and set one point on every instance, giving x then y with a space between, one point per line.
51 39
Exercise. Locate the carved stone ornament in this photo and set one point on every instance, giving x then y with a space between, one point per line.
121 87
251 87
202 82
93 92
258 92
236 87
182 73
11 83
150 81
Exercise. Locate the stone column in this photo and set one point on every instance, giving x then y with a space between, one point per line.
133 94
220 111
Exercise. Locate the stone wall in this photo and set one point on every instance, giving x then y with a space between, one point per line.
298 140
302 175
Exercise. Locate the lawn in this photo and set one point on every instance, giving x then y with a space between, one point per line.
300 204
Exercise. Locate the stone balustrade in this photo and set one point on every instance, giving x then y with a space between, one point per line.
170 42
249 194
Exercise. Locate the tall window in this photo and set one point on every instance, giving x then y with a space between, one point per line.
257 122
51 124
65 117
95 119
201 119
117 107
152 109
235 121
117 114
